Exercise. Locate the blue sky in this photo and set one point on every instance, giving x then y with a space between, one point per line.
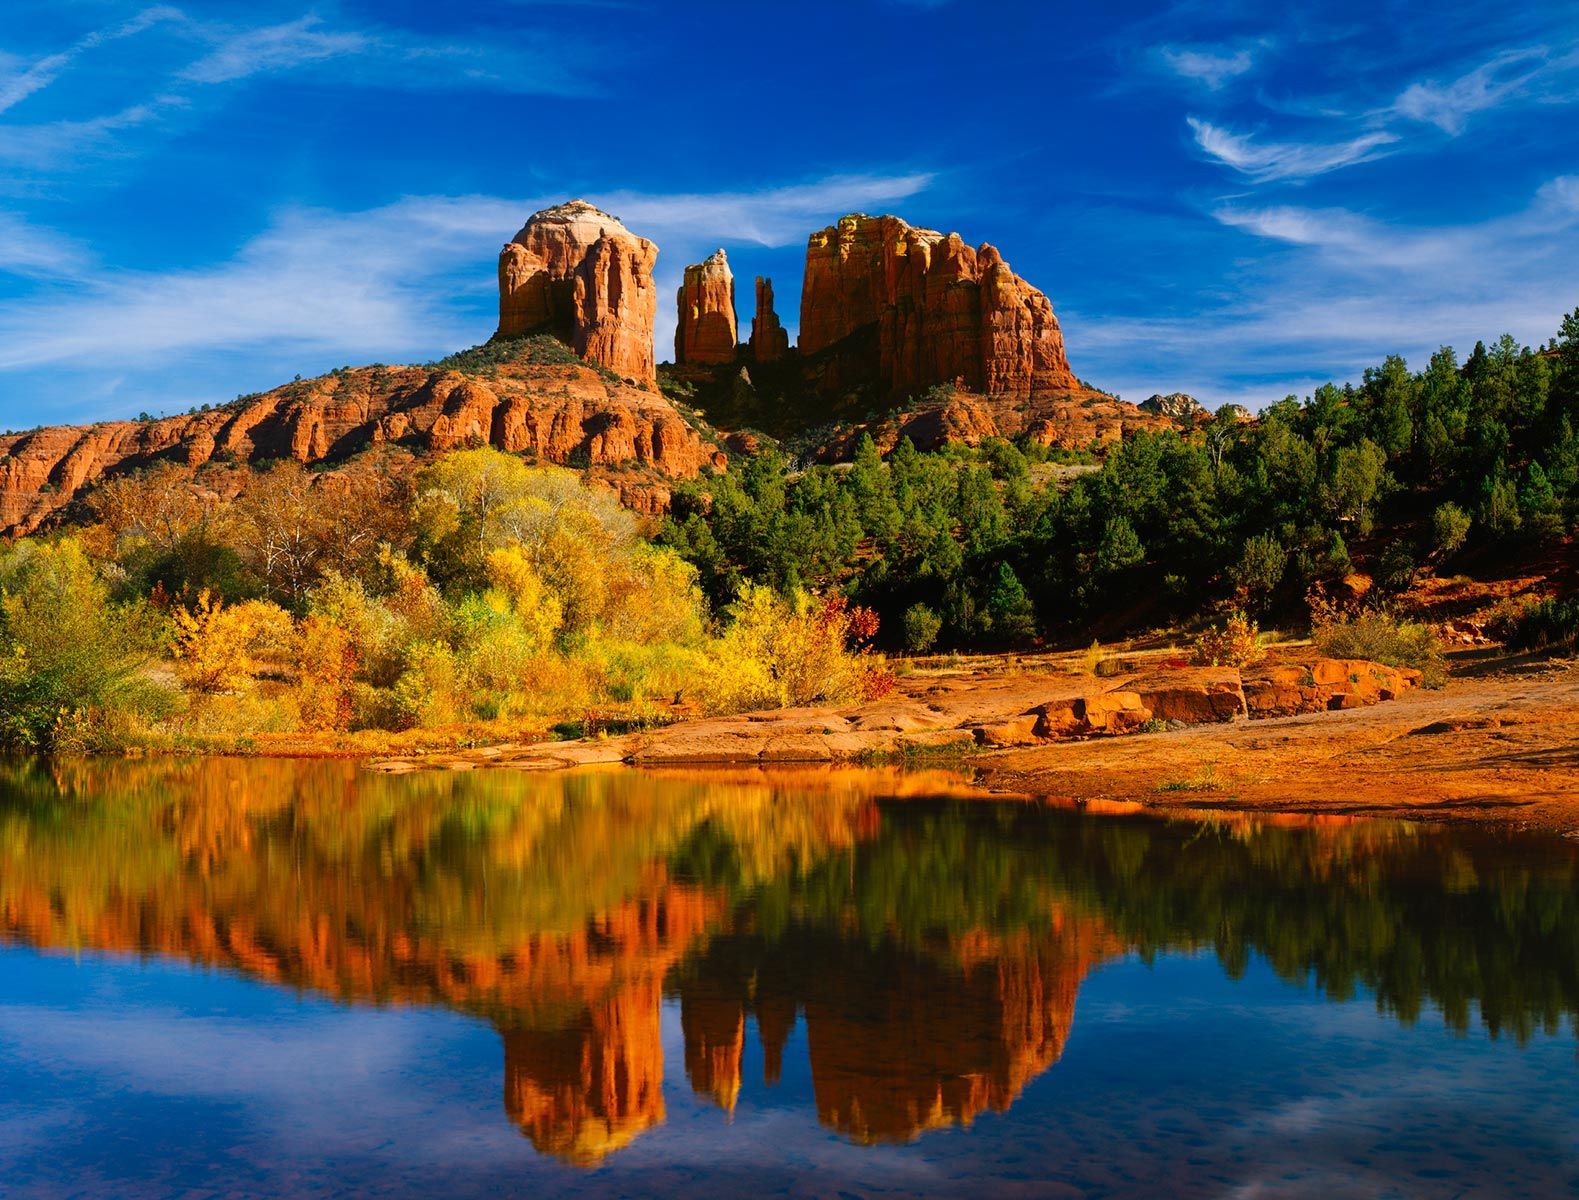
201 199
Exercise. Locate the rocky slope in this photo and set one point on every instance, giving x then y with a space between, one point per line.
558 412
576 272
1094 421
1031 705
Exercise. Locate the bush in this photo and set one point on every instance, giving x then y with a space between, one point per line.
1261 566
1233 644
220 648
539 349
783 652
1397 569
71 660
922 627
1549 624
1382 638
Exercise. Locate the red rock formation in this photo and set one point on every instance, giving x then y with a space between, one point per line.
940 311
706 331
769 339
558 412
576 272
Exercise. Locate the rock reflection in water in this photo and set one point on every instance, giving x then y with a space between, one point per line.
933 947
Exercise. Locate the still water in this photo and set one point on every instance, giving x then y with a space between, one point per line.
284 978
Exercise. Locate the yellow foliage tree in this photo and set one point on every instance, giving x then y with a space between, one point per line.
780 652
327 664
223 648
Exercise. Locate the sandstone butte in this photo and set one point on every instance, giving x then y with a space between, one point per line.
705 332
576 272
769 339
942 312
884 304
558 413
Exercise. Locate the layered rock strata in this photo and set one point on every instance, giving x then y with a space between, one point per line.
555 413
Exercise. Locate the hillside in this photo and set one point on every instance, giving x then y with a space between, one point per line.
527 396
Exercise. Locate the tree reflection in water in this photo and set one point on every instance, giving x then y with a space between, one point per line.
933 944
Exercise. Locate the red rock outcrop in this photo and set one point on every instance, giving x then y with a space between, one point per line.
769 339
932 310
557 412
1286 689
576 272
706 331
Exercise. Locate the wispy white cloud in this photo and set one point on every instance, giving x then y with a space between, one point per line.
388 57
1269 161
17 82
1449 105
37 253
1360 243
230 55
773 216
272 48
1213 66
52 145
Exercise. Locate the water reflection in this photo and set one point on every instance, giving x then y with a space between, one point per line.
933 947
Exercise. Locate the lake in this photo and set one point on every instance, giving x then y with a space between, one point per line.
263 978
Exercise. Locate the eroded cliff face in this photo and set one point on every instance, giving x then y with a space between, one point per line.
910 308
560 413
706 331
577 272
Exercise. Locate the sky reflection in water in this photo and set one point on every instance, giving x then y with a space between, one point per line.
259 978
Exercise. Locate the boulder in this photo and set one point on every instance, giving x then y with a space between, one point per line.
1178 405
1194 695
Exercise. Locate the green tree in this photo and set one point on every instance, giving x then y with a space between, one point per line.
922 627
1449 528
1009 608
1358 475
1261 567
